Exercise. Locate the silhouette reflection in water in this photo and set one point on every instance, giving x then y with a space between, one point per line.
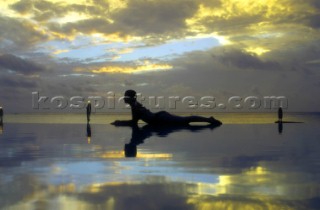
280 127
1 115
1 127
139 134
88 133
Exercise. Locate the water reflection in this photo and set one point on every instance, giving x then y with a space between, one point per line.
280 127
1 127
88 132
153 193
139 134
280 124
51 166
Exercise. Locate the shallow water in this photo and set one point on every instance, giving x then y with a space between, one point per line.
52 162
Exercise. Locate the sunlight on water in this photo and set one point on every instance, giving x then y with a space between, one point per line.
55 162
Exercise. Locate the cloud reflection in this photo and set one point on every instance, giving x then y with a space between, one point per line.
152 193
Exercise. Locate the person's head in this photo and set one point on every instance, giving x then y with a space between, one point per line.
130 96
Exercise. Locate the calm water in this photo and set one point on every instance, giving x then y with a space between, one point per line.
60 162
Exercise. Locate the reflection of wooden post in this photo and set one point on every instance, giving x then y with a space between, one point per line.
1 127
280 114
280 127
89 133
1 115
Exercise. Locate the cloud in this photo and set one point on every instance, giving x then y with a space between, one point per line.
224 58
158 21
154 17
59 51
44 11
15 82
20 33
19 65
129 68
266 42
269 25
244 14
243 60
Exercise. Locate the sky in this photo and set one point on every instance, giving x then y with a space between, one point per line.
216 48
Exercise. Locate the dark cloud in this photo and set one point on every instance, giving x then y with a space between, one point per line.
19 65
224 59
14 82
315 3
243 60
22 7
313 21
154 17
85 26
140 18
45 10
20 33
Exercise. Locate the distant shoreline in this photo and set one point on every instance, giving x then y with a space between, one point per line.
182 112
107 118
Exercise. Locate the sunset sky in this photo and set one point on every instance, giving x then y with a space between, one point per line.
219 48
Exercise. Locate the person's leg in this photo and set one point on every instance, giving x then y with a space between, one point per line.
174 119
211 120
164 117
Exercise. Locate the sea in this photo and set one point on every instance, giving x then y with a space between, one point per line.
59 161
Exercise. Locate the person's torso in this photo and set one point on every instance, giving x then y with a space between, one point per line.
140 112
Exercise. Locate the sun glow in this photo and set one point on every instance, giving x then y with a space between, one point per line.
132 70
71 17
257 50
146 66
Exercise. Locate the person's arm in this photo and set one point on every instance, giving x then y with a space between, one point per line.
124 123
132 122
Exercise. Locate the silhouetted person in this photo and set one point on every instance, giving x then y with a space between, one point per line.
88 132
1 114
88 108
139 112
138 134
280 114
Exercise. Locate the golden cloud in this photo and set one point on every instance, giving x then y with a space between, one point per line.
132 70
249 22
146 66
257 50
230 9
57 52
